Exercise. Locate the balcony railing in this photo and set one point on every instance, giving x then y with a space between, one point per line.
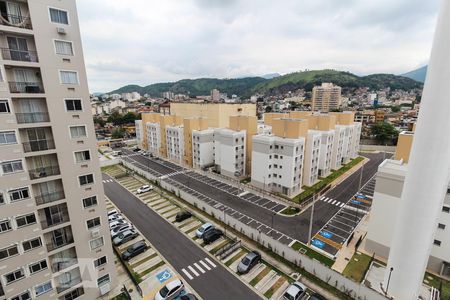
41 145
55 219
16 21
19 55
58 243
67 285
49 197
26 87
32 117
44 172
59 264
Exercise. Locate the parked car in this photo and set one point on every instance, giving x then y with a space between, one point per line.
212 235
188 297
144 189
116 223
316 296
170 291
124 237
115 217
295 291
136 149
119 229
183 215
203 229
134 250
248 262
113 212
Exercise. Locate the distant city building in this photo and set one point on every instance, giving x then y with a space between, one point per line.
326 97
168 95
215 95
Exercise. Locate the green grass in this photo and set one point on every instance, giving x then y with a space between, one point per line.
310 190
357 269
260 276
142 261
274 287
246 180
313 254
234 258
290 211
121 296
137 277
161 263
435 281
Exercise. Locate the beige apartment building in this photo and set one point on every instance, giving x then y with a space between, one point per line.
326 97
54 233
217 114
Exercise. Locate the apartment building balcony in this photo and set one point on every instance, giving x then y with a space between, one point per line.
32 117
26 87
49 197
24 80
67 280
53 215
63 260
19 55
58 238
42 166
37 139
29 111
15 14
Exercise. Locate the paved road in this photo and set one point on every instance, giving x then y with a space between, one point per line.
180 251
295 227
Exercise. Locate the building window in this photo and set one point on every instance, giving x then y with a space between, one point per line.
2 198
32 244
4 107
96 243
74 294
24 296
91 201
441 226
10 167
59 16
77 132
437 243
5 225
26 220
63 47
103 280
43 288
73 105
39 266
92 223
19 194
68 77
100 262
9 251
8 138
14 276
82 156
446 209
86 179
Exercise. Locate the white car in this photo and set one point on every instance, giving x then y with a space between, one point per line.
116 217
295 291
170 291
113 212
121 228
144 189
115 224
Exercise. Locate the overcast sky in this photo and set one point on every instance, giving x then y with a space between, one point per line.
149 41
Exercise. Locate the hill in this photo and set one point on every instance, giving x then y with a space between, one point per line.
418 74
245 87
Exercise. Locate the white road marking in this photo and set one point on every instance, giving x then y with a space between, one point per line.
322 197
210 262
204 265
187 274
342 204
333 202
193 271
200 268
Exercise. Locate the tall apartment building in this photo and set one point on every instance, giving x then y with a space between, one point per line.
190 125
230 152
217 114
326 97
250 125
153 132
54 233
203 148
385 209
175 143
278 158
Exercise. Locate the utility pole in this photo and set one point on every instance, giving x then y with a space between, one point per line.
311 220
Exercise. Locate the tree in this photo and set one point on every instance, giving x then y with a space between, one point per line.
384 131
118 133
268 109
395 108
115 118
99 121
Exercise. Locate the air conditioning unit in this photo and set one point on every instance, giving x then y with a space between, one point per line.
61 30
95 232
105 289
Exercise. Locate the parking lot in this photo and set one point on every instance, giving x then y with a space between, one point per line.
269 282
336 232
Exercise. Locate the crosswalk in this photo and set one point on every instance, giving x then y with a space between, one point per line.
332 201
172 174
107 180
198 268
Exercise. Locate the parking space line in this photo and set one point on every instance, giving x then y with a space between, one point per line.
187 274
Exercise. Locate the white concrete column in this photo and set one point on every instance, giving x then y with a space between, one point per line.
427 176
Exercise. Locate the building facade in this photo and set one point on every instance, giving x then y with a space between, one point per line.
326 97
54 234
203 148
230 152
175 143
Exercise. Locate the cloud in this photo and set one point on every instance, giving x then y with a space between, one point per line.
147 41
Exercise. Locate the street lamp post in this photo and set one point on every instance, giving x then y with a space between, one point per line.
389 279
311 220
